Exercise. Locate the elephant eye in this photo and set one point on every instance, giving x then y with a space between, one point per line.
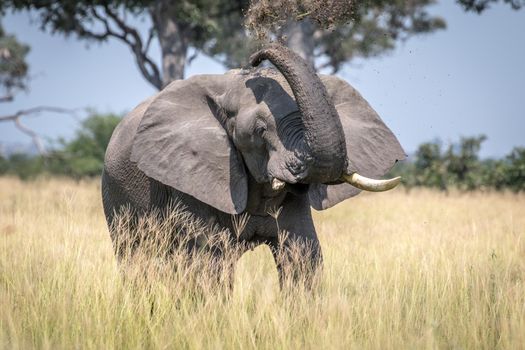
260 128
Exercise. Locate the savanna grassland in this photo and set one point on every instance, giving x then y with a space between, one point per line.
402 270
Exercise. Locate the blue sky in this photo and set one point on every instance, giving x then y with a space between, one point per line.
464 81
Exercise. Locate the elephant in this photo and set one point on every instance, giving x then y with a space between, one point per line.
251 141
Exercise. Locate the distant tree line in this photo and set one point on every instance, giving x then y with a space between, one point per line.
83 156
456 166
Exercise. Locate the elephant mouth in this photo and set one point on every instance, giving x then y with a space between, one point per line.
279 186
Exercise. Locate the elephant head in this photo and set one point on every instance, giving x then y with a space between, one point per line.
214 136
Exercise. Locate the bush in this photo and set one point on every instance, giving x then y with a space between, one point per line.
81 157
460 167
22 165
84 155
515 172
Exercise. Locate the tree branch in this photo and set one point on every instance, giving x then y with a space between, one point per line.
6 98
16 118
132 38
116 27
193 56
109 32
151 34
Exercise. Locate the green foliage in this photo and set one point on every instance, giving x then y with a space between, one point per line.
13 67
22 165
345 29
429 166
176 25
462 161
196 18
515 162
460 167
83 156
481 5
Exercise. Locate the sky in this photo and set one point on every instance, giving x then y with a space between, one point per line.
464 81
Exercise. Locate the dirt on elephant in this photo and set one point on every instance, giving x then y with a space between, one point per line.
401 270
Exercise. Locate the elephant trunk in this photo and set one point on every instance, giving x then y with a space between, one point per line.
324 141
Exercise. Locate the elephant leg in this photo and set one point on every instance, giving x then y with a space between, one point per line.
296 249
219 259
298 260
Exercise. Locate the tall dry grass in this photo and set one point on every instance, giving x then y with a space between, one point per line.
418 270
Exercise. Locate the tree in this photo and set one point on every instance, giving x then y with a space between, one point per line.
177 25
215 28
429 166
84 155
515 178
493 173
463 164
22 165
13 65
460 167
337 31
14 77
17 119
479 6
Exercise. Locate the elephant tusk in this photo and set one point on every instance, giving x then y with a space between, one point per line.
277 184
367 184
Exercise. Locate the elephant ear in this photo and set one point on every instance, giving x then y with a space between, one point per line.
181 143
372 149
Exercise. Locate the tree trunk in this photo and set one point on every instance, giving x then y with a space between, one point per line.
172 40
298 36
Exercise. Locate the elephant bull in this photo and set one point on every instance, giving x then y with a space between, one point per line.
251 141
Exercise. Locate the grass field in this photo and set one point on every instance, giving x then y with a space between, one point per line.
417 270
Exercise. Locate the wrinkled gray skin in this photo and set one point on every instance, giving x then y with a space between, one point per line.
215 142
